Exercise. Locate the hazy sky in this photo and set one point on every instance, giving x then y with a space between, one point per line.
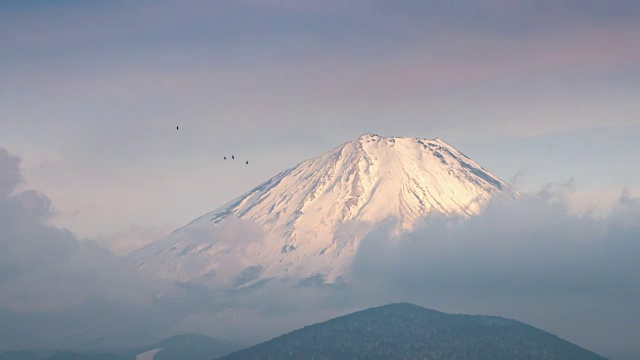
91 93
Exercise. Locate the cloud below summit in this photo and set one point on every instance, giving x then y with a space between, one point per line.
530 259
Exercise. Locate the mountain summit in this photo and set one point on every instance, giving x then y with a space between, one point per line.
315 214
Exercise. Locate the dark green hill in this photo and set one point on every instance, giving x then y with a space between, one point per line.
405 331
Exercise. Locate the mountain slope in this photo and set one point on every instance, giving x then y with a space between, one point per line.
405 331
183 347
312 217
68 355
62 355
189 347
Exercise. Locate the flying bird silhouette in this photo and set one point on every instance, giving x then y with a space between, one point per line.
247 163
232 157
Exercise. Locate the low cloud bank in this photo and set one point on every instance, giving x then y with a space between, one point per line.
43 267
578 276
54 287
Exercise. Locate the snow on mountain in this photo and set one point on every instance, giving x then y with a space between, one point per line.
309 220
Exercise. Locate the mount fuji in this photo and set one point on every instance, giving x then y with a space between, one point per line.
308 221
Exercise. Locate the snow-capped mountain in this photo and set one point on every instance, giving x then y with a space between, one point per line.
308 221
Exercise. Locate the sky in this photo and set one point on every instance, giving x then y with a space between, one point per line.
537 92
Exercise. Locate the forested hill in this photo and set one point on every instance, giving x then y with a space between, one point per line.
405 331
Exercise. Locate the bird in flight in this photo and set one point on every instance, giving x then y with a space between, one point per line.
247 163
233 157
225 158
177 127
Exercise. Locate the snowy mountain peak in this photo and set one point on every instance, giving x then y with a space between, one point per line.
315 214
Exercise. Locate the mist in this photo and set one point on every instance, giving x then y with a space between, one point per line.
56 289
531 259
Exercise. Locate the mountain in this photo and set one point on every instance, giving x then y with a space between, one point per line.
309 220
184 347
405 331
68 355
188 347
63 355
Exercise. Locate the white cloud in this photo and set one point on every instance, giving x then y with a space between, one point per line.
43 267
532 259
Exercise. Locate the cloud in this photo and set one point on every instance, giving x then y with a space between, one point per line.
45 267
10 176
532 259
58 291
